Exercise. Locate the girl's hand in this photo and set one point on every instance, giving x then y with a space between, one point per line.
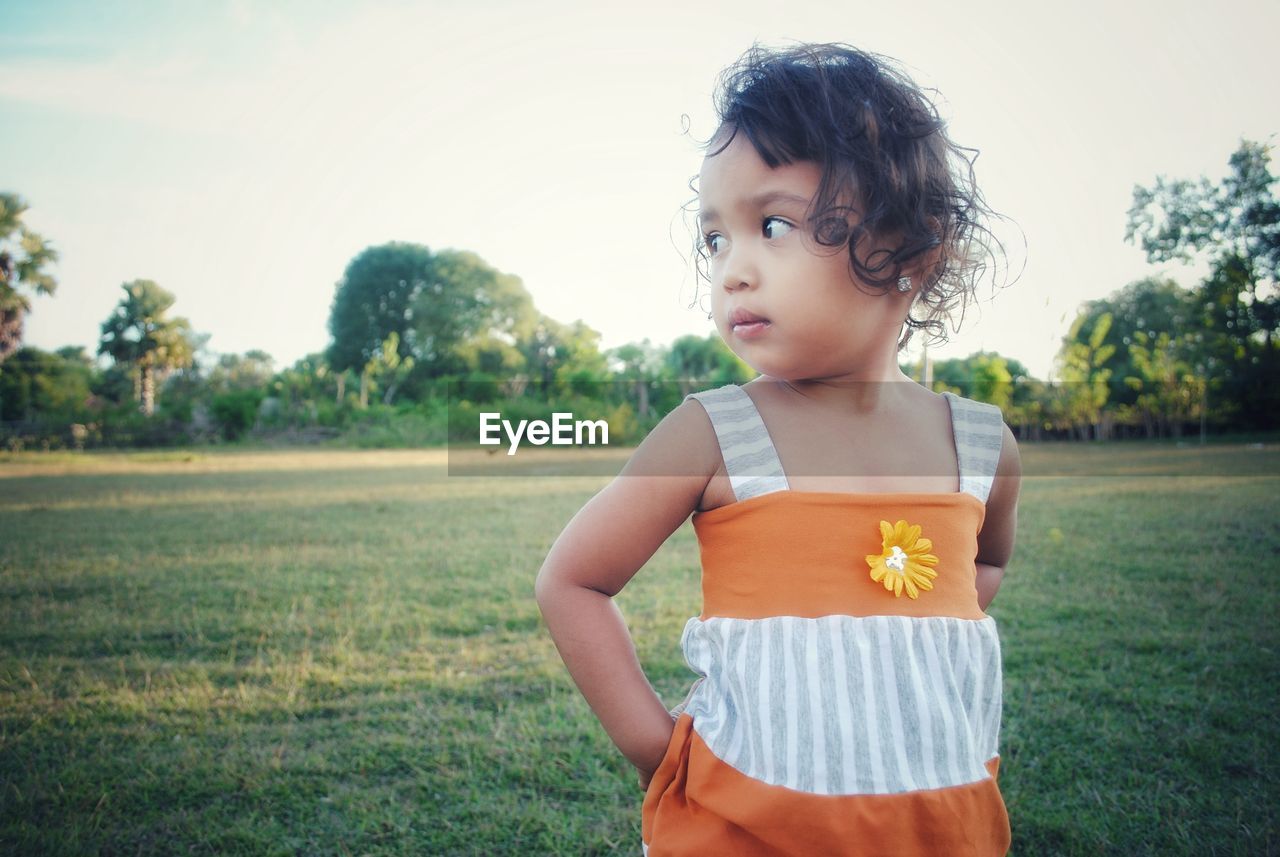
644 772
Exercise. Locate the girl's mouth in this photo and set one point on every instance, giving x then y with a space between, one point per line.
746 324
751 329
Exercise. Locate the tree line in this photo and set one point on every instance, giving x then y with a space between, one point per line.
417 336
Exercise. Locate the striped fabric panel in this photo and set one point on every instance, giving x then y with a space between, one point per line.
749 456
844 705
979 429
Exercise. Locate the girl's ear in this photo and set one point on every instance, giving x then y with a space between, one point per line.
924 267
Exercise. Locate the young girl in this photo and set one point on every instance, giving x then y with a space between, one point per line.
853 525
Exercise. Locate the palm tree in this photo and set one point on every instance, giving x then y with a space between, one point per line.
138 334
23 257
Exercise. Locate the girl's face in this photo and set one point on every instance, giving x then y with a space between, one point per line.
786 305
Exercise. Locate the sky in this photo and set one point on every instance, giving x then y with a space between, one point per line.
241 153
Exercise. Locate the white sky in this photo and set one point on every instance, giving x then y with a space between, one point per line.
243 154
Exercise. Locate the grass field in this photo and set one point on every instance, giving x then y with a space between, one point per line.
331 652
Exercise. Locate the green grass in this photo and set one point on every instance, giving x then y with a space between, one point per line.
338 652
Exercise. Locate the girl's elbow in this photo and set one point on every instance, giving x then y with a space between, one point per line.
996 574
551 586
544 587
988 583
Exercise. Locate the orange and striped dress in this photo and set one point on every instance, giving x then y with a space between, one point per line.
832 716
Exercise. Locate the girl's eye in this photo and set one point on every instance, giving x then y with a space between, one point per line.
713 242
776 227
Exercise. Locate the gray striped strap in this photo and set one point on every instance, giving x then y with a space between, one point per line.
749 456
979 431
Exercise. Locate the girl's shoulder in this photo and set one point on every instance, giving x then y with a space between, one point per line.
687 443
683 444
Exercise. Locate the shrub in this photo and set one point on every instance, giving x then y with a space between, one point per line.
236 411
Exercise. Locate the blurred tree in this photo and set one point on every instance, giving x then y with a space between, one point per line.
438 305
1147 306
639 364
236 411
1085 378
561 357
544 347
583 369
297 394
305 380
375 298
1169 392
185 391
24 257
1235 227
36 384
992 381
467 300
697 362
490 360
691 360
252 370
977 374
115 385
991 377
386 370
138 334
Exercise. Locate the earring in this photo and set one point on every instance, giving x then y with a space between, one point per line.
904 284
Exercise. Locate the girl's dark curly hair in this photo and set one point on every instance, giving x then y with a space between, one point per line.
888 167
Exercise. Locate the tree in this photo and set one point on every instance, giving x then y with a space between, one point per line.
494 363
302 384
988 376
438 305
639 364
295 392
992 381
187 389
24 256
1179 219
562 356
694 361
1147 306
1168 390
139 335
980 375
36 384
1082 369
582 367
1235 227
467 300
374 299
232 392
388 369
543 345
252 370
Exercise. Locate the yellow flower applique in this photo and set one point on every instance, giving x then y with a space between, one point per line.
906 562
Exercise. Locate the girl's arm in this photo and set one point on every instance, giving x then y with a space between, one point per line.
604 545
995 541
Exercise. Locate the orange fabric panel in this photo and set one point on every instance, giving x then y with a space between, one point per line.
698 805
797 553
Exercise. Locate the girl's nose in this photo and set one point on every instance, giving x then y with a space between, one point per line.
737 270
